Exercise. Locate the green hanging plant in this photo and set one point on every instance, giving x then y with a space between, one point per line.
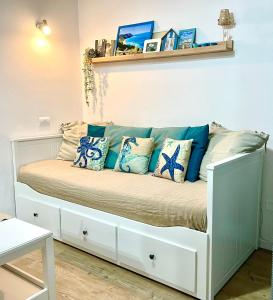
89 76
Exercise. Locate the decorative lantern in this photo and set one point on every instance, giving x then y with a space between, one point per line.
226 20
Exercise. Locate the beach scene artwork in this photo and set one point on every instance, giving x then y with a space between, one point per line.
186 38
131 38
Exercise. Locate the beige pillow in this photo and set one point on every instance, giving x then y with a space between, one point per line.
72 132
225 143
174 159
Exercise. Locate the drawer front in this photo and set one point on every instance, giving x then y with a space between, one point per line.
44 215
167 262
93 235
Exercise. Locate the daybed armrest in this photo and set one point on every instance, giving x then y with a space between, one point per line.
226 161
234 192
29 149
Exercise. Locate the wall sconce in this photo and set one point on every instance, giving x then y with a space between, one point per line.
43 26
226 20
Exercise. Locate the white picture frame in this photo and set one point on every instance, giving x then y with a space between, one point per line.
152 45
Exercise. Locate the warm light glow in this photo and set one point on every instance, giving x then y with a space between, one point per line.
43 26
41 43
46 30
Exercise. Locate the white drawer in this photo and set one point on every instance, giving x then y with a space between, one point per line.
44 215
92 235
167 262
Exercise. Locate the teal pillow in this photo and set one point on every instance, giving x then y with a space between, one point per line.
116 134
200 136
95 130
159 135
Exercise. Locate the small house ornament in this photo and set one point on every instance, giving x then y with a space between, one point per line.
169 41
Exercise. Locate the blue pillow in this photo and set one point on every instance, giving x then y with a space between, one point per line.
159 135
200 136
95 130
115 134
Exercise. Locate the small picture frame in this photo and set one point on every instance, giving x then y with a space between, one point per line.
100 46
169 41
152 45
159 34
110 48
186 38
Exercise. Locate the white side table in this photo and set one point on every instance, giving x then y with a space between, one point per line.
18 238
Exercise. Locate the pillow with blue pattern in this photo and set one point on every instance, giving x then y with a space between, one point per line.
91 153
135 155
173 160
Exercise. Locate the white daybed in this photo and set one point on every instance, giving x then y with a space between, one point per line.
195 262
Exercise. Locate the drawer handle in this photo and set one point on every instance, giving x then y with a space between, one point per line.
35 215
152 256
85 232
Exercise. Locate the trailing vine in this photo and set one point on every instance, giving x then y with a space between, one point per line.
89 76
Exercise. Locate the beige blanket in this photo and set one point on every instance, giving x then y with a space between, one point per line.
144 198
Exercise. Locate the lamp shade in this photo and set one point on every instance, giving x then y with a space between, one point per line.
224 18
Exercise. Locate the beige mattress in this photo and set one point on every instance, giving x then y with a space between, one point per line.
143 198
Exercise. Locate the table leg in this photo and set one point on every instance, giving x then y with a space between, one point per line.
49 267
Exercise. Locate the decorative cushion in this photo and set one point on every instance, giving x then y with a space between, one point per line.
95 130
200 137
225 143
135 155
91 153
115 134
159 135
72 132
173 160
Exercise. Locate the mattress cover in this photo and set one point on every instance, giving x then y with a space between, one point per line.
143 198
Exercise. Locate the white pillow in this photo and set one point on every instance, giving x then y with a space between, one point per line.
72 132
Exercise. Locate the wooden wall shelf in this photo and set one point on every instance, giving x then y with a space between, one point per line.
219 48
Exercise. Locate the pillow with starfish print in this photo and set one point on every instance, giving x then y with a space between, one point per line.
91 153
173 160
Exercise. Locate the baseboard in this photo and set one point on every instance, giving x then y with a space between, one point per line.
266 244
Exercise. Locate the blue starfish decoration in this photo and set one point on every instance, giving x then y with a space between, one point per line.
171 163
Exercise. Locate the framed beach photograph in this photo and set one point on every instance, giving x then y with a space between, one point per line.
152 45
186 38
131 38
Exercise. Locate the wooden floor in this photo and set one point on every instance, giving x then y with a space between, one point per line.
81 276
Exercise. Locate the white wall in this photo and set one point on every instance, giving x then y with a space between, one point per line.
35 81
234 90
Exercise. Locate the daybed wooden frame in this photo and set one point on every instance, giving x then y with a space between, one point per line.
194 262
